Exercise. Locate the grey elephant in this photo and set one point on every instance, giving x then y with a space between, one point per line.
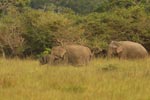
44 59
70 54
126 50
98 52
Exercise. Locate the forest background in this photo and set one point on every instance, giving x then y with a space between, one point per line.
33 27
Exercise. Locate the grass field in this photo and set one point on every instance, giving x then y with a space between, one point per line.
102 79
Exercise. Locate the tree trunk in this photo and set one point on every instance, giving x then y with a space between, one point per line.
3 53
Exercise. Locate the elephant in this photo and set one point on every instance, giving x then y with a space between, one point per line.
98 52
44 59
70 54
126 50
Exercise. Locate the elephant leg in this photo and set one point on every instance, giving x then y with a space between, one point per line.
84 60
87 60
80 61
123 56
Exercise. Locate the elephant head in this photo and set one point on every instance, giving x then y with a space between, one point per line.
115 49
58 55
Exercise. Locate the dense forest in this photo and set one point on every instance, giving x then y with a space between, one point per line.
33 27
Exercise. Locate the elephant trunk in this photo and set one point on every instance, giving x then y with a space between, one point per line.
44 60
109 54
51 60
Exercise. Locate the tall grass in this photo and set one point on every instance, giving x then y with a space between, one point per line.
102 79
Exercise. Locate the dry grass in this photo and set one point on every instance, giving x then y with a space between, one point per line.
101 80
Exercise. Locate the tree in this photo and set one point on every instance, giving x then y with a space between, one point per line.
11 40
121 24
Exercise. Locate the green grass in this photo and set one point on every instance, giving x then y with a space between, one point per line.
102 79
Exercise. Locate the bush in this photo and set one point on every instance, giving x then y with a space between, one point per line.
122 24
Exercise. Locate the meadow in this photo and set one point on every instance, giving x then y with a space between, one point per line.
102 79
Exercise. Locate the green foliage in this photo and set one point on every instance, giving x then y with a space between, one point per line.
39 3
40 23
22 3
110 5
43 28
38 33
11 31
46 52
122 24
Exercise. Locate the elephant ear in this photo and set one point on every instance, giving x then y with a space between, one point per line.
117 43
63 53
114 44
119 49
